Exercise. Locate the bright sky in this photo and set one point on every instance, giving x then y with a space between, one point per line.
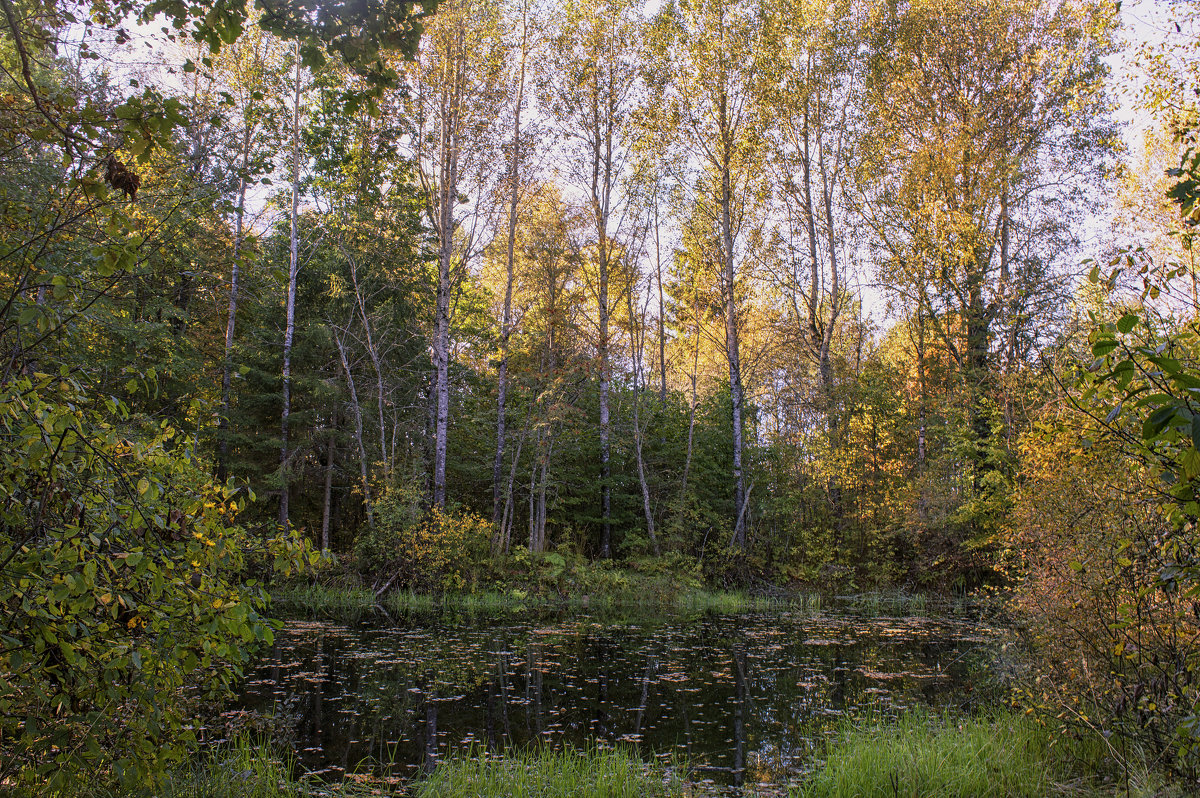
1143 22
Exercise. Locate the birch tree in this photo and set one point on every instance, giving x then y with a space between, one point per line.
290 304
455 97
589 89
526 38
714 50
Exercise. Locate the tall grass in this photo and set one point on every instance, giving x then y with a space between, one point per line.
482 603
353 602
889 603
732 602
318 599
999 755
242 769
551 774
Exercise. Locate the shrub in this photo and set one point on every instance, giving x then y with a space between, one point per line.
121 582
440 550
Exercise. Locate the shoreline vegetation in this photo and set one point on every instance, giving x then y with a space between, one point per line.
554 582
306 599
995 754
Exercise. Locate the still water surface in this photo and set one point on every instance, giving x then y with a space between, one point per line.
746 698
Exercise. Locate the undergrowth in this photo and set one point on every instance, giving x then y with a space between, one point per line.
544 773
994 755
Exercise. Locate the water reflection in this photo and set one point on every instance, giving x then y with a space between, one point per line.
744 698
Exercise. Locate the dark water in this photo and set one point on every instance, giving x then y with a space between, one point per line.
746 698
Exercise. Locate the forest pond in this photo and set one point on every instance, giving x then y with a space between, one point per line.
745 698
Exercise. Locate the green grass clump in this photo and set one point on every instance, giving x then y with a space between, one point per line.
488 602
733 602
242 769
889 603
318 599
1000 755
550 774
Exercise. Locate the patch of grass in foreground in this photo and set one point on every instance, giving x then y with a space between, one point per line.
547 774
242 769
1000 755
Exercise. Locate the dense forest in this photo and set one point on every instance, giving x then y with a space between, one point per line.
761 295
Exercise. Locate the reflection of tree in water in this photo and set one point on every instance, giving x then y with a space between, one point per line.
431 715
739 713
745 698
599 725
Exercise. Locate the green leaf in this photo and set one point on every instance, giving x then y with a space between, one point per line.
1127 323
1157 421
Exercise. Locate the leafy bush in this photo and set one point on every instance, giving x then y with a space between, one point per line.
1107 519
121 569
440 550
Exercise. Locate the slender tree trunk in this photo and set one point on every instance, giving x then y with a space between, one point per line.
602 181
641 467
810 222
826 366
921 411
327 506
977 333
356 408
506 520
1012 304
662 330
687 462
637 348
234 269
373 353
514 177
290 328
731 328
543 479
605 454
533 543
447 197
